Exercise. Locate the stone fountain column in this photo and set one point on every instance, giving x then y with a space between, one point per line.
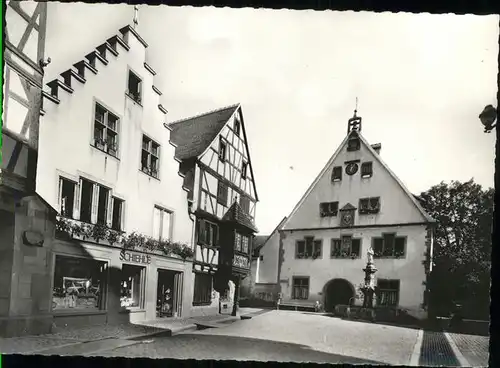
369 286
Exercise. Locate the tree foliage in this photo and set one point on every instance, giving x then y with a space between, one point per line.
462 245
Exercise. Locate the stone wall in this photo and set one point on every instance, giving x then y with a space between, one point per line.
32 226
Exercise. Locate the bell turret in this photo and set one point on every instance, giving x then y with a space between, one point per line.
354 123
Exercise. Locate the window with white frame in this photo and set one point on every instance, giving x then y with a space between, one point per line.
105 130
93 202
245 204
244 168
132 286
369 205
346 247
389 246
87 200
150 158
207 232
309 248
134 87
222 193
300 288
237 126
67 193
222 150
387 292
79 284
162 223
241 243
117 214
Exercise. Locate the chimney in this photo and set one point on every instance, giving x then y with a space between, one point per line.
377 147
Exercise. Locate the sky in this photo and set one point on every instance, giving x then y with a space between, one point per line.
421 81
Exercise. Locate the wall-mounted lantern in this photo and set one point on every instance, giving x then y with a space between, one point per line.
488 118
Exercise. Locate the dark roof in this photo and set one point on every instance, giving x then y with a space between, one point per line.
258 247
193 135
259 241
347 207
237 215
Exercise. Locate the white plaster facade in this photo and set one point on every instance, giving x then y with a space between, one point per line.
266 268
66 144
67 151
399 213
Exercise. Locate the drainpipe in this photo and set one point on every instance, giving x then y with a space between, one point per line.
192 217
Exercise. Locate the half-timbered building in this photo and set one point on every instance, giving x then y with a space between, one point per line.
354 204
215 159
26 220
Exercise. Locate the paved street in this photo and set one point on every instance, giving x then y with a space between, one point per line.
286 336
270 335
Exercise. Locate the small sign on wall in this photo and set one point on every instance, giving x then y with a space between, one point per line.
33 238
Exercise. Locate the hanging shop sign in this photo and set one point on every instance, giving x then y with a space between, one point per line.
134 257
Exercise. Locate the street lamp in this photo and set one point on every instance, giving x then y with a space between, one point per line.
488 117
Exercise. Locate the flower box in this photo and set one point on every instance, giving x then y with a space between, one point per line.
67 229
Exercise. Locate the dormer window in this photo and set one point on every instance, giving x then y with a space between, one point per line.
222 150
353 144
134 87
328 209
369 205
337 173
237 127
244 168
366 169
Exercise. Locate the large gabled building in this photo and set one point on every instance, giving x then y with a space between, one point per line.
354 204
214 157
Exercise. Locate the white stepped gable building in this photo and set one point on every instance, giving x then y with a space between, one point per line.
356 202
105 159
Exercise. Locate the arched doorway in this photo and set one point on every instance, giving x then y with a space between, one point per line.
338 291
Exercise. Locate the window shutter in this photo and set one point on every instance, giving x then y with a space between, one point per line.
323 209
309 246
122 216
78 200
156 223
375 204
318 247
215 240
336 244
301 244
389 244
378 245
95 203
59 197
201 231
356 247
399 246
346 243
109 210
166 225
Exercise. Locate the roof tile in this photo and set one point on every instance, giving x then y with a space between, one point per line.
237 215
193 135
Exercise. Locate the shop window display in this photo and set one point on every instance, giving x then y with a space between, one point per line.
132 286
79 284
